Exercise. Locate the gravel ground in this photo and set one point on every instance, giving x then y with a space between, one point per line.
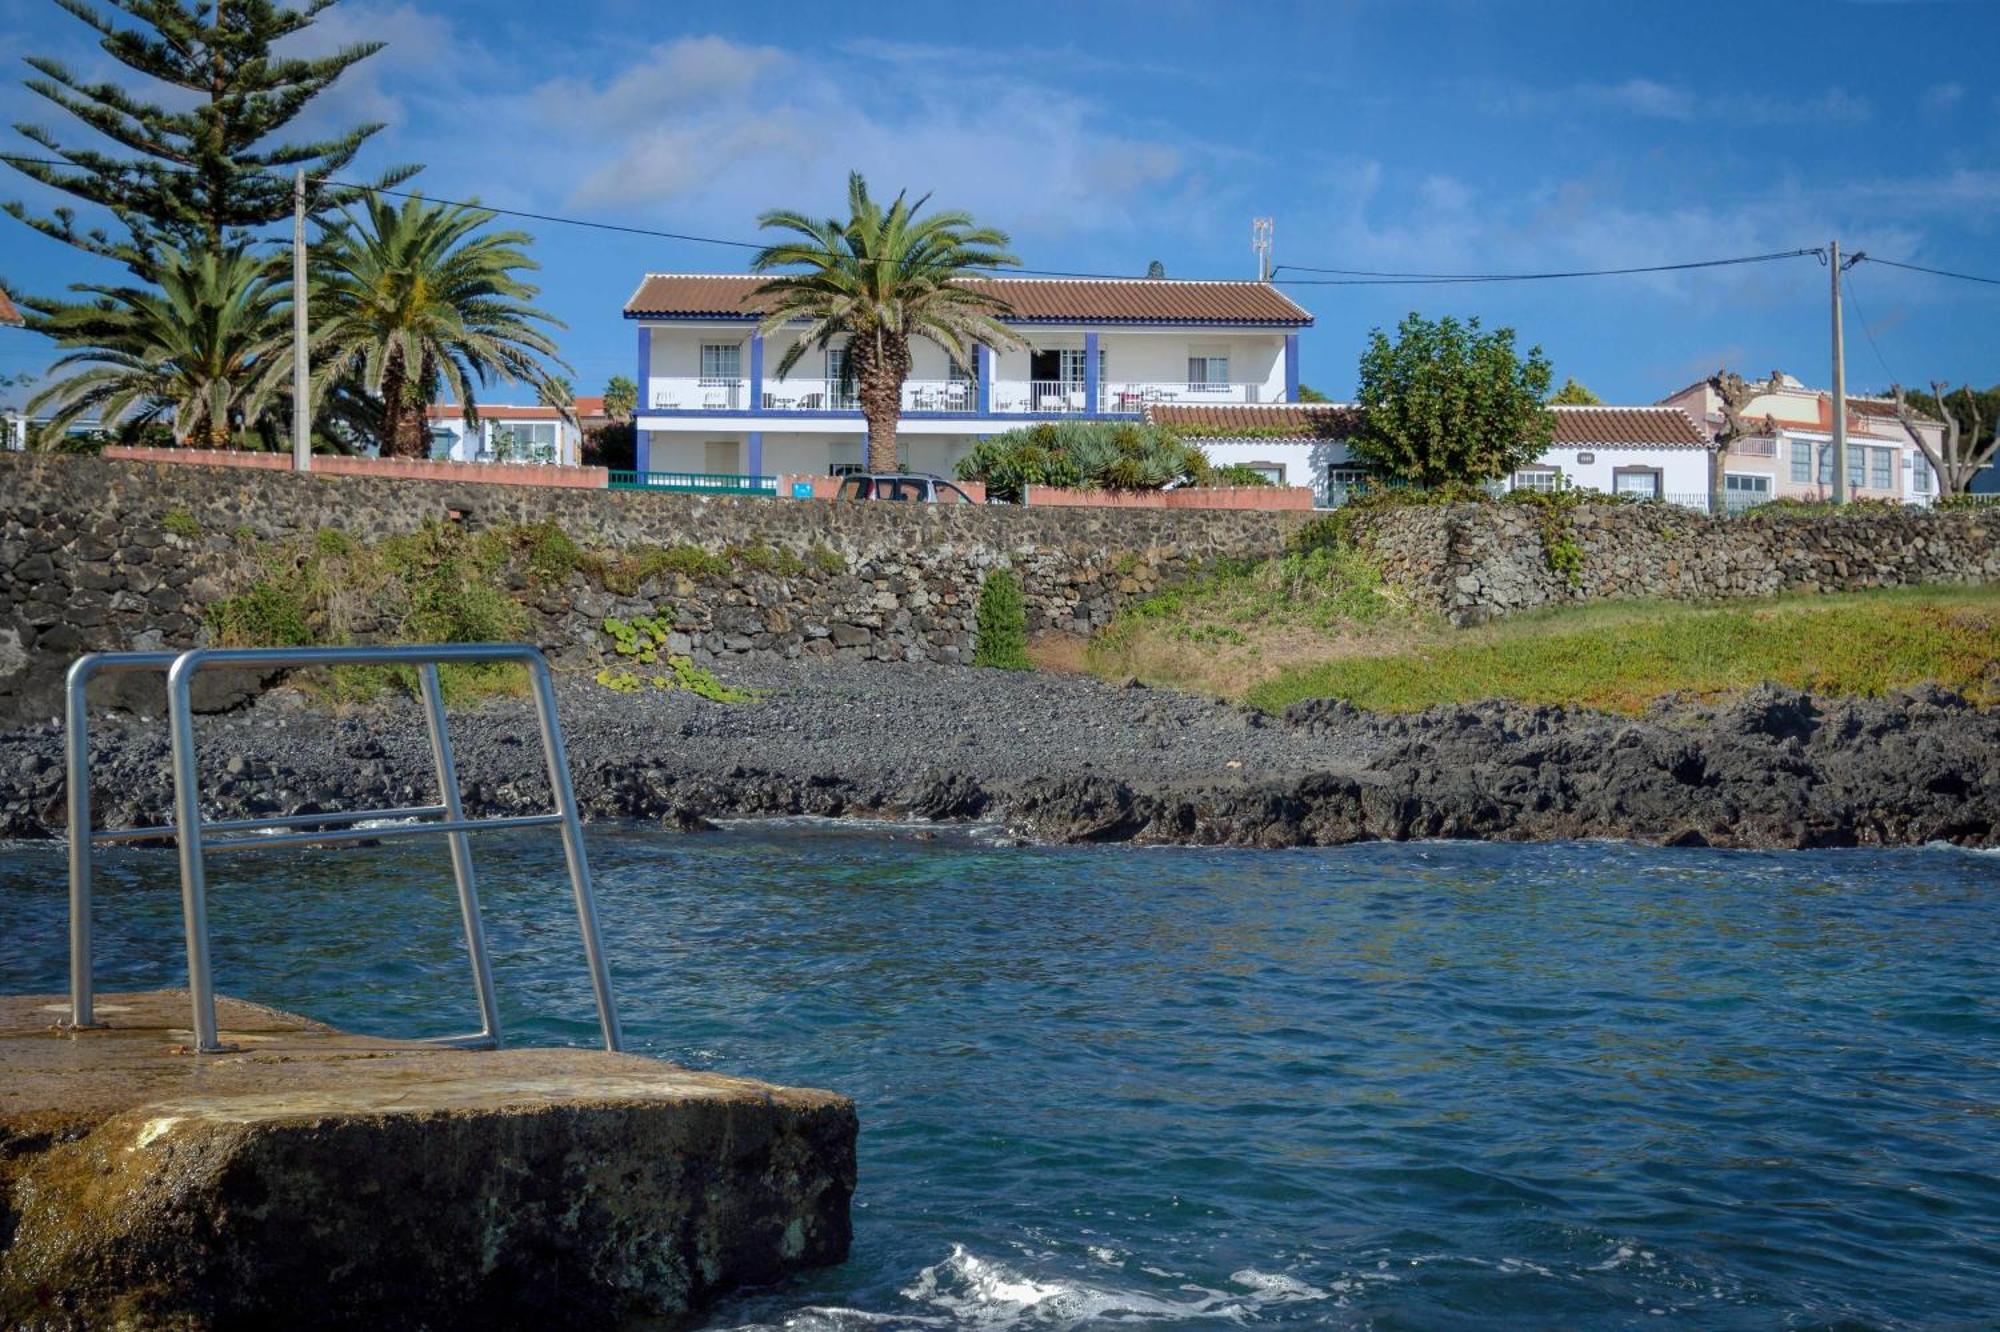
1068 758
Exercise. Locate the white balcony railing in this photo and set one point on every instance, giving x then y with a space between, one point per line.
698 393
1010 397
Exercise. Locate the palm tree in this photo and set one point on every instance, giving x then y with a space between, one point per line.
207 350
411 299
879 279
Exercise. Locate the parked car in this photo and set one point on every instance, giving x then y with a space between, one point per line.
918 487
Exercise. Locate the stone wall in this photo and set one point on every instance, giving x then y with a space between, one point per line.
401 469
1477 561
106 554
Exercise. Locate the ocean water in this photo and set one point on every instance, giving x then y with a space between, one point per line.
1422 1086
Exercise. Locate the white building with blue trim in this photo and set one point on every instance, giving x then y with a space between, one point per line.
712 405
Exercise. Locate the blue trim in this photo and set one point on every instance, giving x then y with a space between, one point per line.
1248 325
1006 419
643 454
645 369
756 459
756 379
1291 367
983 359
1091 401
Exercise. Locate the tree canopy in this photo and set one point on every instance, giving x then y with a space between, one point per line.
1573 394
196 117
878 279
1446 402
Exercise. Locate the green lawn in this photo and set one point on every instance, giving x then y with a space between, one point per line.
1622 655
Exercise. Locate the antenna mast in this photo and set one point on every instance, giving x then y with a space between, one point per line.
1260 242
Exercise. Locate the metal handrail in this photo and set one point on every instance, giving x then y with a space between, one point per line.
194 838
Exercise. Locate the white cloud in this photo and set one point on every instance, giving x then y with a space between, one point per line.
1650 99
767 129
1944 97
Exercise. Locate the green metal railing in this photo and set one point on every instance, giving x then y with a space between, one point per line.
697 483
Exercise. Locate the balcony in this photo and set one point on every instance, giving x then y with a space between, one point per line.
703 393
960 397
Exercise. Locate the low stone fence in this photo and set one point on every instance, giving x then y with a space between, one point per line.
402 469
103 553
1477 561
1289 499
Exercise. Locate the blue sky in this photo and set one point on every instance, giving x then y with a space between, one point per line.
1471 136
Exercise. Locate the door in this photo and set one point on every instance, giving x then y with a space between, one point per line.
719 457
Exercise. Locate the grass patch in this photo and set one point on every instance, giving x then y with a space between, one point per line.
1622 656
1244 623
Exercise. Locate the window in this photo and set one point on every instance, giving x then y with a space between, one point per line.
1208 372
1544 479
1642 481
1344 483
1920 476
843 468
1882 469
1825 464
1857 466
1802 461
721 362
1270 471
441 442
1741 491
525 441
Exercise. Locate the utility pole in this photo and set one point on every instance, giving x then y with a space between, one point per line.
1260 242
1839 382
302 446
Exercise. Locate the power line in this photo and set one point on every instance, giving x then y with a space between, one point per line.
1358 277
1848 279
1935 272
1347 277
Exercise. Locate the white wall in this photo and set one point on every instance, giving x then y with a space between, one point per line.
808 452
1683 472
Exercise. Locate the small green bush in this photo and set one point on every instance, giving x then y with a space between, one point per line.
1002 624
182 524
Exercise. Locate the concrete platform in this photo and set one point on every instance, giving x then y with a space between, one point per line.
312 1178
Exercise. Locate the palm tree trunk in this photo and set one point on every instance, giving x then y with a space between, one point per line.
882 364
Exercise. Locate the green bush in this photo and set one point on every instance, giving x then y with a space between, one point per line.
1002 624
1118 455
1237 474
182 524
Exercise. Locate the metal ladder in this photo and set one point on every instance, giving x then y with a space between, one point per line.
197 839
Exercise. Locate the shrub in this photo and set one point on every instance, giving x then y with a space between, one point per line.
1002 624
1121 455
1446 402
182 524
1236 474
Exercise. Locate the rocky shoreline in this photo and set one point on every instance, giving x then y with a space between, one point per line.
1068 759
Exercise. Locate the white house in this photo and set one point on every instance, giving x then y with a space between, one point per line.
712 405
1790 454
1654 451
511 433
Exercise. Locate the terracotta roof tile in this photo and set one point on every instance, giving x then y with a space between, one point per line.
1576 427
1031 300
8 314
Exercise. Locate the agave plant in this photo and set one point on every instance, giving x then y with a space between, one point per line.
408 300
879 279
207 350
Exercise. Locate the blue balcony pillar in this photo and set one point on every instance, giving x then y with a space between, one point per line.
756 377
641 453
1091 402
645 368
756 467
1291 367
982 359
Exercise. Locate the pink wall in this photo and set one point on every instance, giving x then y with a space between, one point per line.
414 469
1216 497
